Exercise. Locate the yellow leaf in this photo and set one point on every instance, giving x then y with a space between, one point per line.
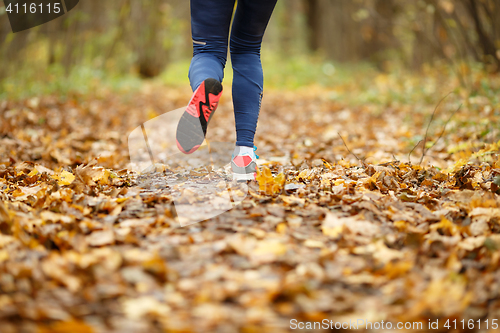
17 193
401 225
267 183
302 174
488 150
120 200
33 172
326 164
66 178
281 228
397 269
104 180
454 168
440 177
446 225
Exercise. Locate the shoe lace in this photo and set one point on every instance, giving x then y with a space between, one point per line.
254 150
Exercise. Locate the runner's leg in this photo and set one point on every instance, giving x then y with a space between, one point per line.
210 21
249 24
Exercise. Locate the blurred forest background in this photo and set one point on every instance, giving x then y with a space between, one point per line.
152 38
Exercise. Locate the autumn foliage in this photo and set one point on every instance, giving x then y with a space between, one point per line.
336 227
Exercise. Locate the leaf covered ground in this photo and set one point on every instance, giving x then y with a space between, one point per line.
345 221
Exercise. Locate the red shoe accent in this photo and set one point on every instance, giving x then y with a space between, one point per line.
199 95
192 110
207 111
186 152
242 161
199 98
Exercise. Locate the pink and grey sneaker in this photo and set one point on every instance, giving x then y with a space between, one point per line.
243 163
192 126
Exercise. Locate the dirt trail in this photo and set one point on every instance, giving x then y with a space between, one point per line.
89 245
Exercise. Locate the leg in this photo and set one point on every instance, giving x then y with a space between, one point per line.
210 21
250 22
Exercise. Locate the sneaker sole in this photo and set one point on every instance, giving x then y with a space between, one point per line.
242 177
192 127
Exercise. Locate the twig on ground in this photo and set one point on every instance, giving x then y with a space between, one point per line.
147 144
411 151
345 144
444 128
429 125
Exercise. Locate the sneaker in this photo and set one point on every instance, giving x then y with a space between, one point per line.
243 163
192 126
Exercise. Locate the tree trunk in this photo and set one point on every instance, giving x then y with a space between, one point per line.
313 22
486 43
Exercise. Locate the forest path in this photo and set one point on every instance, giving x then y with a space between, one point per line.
87 245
